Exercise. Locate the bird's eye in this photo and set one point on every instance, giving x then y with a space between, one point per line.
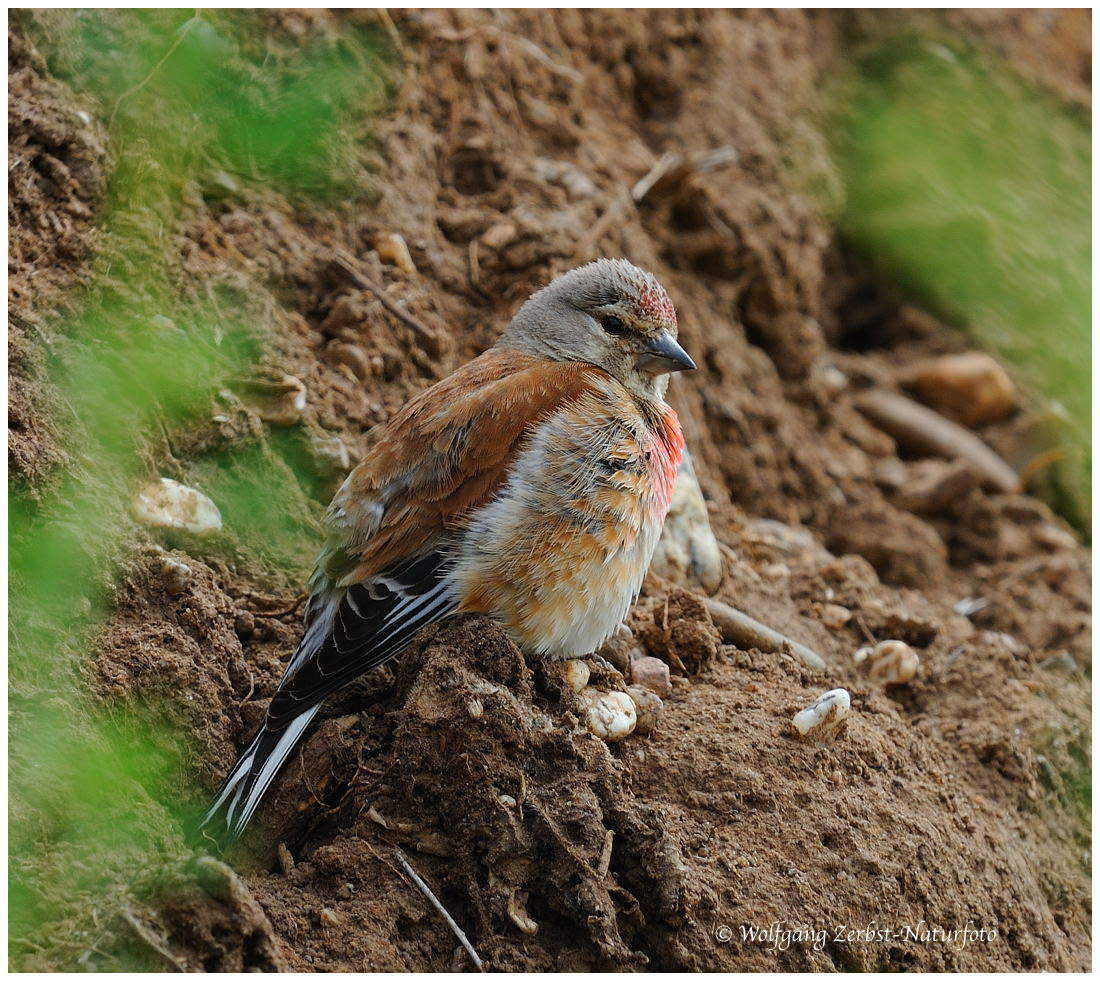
613 325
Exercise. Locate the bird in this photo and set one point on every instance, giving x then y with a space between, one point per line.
530 486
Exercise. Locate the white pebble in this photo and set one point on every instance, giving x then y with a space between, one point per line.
611 715
517 913
825 715
578 185
167 503
893 662
177 575
332 452
577 674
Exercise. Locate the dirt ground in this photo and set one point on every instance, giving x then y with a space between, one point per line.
952 801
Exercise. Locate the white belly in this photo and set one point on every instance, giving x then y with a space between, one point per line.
559 555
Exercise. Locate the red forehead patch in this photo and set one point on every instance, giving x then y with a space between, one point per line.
654 304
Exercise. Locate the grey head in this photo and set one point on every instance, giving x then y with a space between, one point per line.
608 313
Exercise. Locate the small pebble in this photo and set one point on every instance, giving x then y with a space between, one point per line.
608 714
891 474
354 357
507 800
1053 537
831 378
577 184
177 575
1063 662
972 387
893 662
620 649
245 624
651 673
834 616
935 487
648 706
499 235
167 503
824 716
280 401
331 452
576 674
790 539
328 917
393 250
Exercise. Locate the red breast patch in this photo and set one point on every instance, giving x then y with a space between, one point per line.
666 448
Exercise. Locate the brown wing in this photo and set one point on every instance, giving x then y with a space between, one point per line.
444 454
383 573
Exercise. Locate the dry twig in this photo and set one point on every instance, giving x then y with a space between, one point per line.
605 853
430 896
475 265
391 28
565 71
1037 464
151 940
922 431
348 264
741 629
674 168
283 610
156 68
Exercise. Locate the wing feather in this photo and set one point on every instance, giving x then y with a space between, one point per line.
444 454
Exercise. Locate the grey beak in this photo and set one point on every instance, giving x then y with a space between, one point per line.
664 355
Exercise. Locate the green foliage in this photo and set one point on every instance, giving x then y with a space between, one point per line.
262 496
94 787
218 91
973 192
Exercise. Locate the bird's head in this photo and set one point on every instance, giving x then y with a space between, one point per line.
608 313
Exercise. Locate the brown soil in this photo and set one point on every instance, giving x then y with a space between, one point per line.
950 800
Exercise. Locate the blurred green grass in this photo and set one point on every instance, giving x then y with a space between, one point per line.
972 191
98 791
